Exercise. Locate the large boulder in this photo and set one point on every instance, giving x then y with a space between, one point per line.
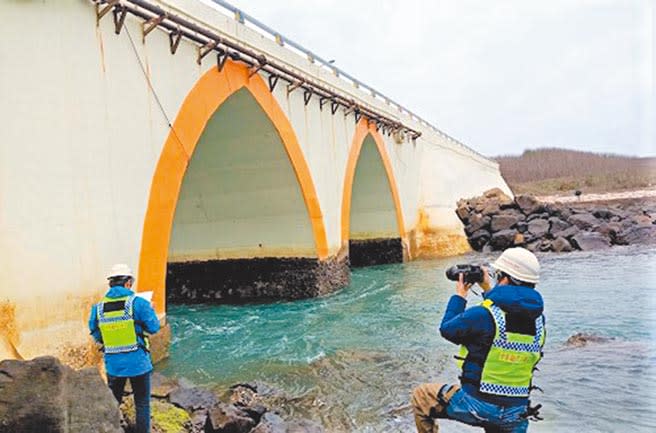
538 228
556 225
161 386
463 212
227 418
604 213
565 212
554 209
496 193
528 204
43 395
584 220
503 239
191 399
637 235
476 223
478 239
587 241
609 230
491 209
503 222
561 244
567 233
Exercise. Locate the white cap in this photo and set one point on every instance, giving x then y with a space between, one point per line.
520 264
120 270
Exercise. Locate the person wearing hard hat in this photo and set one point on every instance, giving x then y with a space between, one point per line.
501 342
119 322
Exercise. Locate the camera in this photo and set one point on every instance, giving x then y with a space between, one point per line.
471 273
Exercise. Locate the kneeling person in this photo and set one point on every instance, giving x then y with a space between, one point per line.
501 342
119 322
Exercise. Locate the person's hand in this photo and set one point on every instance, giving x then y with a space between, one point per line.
462 288
487 283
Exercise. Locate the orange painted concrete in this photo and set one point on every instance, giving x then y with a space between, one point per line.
207 95
362 130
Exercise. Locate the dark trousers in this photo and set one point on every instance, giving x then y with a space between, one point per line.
141 389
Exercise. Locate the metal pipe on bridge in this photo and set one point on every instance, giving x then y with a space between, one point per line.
174 23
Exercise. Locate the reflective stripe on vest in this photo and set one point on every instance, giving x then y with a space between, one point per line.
508 368
117 327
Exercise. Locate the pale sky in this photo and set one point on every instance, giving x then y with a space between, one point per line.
501 76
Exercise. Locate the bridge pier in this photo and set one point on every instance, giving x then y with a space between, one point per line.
238 281
381 251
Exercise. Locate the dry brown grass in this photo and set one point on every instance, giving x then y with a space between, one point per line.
553 171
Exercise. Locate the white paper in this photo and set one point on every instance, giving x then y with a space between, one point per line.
148 296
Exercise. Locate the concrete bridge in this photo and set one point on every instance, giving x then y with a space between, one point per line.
187 136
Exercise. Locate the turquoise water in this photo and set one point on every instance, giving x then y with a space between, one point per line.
350 360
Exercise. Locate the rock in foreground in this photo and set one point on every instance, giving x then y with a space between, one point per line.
44 396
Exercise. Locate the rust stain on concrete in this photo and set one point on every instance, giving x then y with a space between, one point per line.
9 335
430 242
80 356
78 352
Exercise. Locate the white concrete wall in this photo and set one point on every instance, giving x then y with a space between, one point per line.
449 175
372 210
240 197
81 137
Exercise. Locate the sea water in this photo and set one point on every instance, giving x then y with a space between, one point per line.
350 360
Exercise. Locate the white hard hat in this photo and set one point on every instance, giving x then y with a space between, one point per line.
520 264
120 270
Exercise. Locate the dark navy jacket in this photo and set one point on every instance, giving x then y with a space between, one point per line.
135 363
474 328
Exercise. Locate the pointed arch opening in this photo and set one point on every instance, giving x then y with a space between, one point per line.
232 209
372 219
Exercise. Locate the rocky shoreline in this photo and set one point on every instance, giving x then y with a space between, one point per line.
43 395
494 221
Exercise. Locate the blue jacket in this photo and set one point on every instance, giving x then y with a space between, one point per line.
474 328
135 363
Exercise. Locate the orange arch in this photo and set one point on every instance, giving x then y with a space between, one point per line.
209 92
363 129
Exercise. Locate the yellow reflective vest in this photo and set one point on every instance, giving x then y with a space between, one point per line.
508 367
117 326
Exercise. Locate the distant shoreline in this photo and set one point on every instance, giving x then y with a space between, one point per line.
600 197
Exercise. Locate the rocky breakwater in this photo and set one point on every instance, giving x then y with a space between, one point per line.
495 221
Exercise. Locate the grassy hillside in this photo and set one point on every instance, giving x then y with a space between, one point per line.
554 171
